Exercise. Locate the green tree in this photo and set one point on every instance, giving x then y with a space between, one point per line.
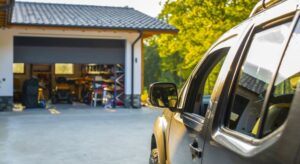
200 23
152 65
159 68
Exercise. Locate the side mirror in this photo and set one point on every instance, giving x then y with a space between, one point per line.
163 95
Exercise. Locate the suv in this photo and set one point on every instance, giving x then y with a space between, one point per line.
250 114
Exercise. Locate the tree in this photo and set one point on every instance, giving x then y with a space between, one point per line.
200 23
152 65
159 68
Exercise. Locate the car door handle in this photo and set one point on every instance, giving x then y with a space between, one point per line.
195 150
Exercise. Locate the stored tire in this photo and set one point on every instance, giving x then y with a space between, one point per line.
154 159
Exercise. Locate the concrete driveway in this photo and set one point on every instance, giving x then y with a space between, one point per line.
76 136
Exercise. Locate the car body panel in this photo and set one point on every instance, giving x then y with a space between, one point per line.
232 149
187 129
184 131
161 133
217 144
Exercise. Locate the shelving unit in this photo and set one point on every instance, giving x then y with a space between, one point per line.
108 84
119 94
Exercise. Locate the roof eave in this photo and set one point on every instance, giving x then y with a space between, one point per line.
148 34
147 31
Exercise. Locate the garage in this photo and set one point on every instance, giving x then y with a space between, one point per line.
73 54
68 70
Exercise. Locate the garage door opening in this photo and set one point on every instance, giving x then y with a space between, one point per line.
49 71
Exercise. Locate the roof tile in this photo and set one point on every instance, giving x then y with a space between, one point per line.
69 15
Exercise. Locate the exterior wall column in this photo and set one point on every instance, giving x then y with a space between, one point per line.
137 91
6 69
137 88
127 82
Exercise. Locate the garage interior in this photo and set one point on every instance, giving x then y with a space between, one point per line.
51 70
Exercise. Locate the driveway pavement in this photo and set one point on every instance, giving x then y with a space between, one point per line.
76 136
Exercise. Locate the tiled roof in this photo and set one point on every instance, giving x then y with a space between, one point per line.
252 84
68 15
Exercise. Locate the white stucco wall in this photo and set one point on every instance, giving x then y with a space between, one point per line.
137 68
6 52
137 65
6 60
127 82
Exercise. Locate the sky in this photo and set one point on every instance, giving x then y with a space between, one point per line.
149 7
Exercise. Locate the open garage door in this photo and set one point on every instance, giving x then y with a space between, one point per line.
67 70
68 50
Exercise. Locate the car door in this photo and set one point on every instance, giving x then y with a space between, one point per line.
250 113
187 129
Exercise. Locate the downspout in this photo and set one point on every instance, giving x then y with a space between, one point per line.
132 66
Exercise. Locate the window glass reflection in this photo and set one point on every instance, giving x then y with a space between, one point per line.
285 86
258 69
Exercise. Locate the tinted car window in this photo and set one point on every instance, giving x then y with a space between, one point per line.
205 81
212 78
255 76
285 86
209 85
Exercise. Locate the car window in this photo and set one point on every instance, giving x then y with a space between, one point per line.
182 94
206 81
255 75
212 77
284 87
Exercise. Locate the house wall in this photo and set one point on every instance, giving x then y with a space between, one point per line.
6 55
6 76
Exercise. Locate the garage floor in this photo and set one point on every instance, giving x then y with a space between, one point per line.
76 135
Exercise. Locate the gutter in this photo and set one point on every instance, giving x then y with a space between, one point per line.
132 66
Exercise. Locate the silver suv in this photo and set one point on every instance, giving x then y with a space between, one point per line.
252 114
